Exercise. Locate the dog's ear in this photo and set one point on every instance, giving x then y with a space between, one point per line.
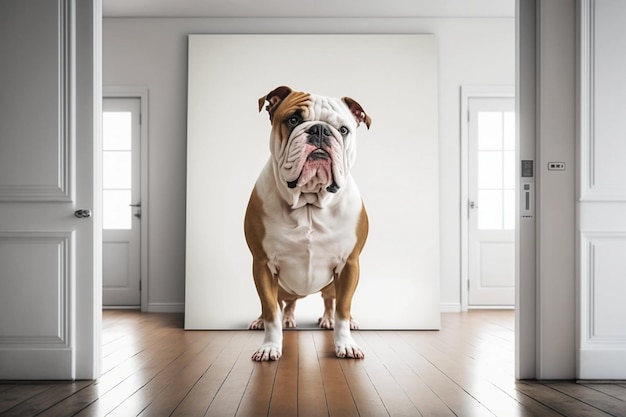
274 98
357 111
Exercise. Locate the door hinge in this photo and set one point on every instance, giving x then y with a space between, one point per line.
139 285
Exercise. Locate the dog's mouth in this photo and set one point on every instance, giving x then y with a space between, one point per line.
318 154
317 169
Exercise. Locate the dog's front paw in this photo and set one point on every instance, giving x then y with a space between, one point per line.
345 346
257 324
267 352
349 350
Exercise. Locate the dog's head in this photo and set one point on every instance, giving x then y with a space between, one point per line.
312 143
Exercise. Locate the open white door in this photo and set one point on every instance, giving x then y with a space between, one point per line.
49 258
602 195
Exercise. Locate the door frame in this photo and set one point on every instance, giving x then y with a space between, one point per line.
469 92
140 93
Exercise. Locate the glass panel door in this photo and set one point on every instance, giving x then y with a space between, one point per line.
491 191
121 164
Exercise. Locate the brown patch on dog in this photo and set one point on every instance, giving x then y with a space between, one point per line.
266 285
346 282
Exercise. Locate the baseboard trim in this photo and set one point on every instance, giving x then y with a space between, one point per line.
450 307
166 308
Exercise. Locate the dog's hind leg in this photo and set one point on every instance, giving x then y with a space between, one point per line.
257 324
327 321
288 304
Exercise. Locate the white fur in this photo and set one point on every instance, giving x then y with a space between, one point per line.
272 347
345 346
306 246
309 235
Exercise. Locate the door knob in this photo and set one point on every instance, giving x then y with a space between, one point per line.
473 205
82 213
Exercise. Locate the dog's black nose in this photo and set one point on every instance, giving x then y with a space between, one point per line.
319 130
319 135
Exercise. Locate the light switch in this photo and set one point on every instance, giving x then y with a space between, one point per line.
556 166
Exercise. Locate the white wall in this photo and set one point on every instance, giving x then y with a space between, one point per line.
152 53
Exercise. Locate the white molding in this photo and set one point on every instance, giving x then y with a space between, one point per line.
468 92
63 339
589 188
67 98
586 95
34 193
599 357
588 263
62 190
142 93
490 307
450 307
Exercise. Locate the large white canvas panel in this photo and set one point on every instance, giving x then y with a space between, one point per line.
394 77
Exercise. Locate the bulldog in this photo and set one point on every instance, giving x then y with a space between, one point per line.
305 223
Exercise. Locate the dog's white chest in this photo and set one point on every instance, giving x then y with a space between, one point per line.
307 246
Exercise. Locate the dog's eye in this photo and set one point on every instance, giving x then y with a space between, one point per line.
344 130
293 121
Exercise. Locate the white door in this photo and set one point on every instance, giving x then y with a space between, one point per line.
121 162
601 208
491 205
49 114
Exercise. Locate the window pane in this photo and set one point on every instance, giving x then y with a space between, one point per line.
509 170
509 131
116 211
490 209
116 131
117 170
489 169
509 209
489 131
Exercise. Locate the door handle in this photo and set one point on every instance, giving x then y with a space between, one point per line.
473 205
82 213
138 206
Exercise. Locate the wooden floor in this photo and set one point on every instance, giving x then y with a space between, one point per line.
152 367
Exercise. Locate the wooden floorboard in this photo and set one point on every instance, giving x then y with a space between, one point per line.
152 367
311 397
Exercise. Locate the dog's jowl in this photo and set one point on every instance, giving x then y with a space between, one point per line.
305 223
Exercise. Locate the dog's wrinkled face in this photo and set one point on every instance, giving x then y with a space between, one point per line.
312 143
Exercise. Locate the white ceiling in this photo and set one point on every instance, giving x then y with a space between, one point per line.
308 8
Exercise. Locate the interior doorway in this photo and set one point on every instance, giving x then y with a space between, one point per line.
489 194
124 196
121 197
